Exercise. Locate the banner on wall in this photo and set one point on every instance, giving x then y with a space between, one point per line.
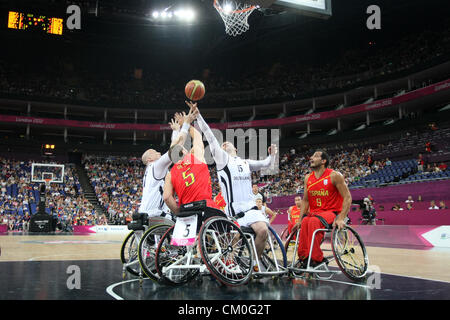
379 104
439 237
100 229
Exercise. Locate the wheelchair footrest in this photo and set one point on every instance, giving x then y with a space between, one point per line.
270 273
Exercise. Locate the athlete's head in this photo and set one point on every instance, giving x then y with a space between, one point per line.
150 155
177 152
255 188
229 147
259 203
298 200
319 158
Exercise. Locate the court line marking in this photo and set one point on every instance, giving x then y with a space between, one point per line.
60 255
348 283
110 289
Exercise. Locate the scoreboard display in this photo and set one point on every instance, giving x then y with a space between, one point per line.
30 21
318 8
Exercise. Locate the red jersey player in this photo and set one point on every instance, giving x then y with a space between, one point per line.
327 195
189 178
294 213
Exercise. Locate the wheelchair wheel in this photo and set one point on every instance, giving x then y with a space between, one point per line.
147 250
285 234
350 253
129 253
272 259
170 255
225 251
289 248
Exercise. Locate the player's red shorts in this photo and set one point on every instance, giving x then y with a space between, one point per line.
310 223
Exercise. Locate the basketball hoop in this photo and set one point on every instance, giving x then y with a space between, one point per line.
47 181
235 17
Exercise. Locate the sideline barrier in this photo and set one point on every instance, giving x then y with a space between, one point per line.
427 236
100 229
395 218
3 228
401 236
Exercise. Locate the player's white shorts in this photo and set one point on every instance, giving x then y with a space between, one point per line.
251 217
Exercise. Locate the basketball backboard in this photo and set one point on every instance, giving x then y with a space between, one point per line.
316 8
42 172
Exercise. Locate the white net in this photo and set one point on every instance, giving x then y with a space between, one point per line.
234 15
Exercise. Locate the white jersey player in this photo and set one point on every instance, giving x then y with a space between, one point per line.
235 182
157 166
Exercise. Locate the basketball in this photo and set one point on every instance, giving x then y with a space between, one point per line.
195 90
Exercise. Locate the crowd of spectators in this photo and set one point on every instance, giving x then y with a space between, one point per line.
70 79
294 166
19 197
117 182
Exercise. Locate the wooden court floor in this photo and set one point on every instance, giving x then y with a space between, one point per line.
423 263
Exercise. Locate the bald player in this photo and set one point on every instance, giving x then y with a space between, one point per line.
157 166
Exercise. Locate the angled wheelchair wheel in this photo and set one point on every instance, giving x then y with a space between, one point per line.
350 253
285 234
290 247
129 253
147 250
170 259
274 256
225 251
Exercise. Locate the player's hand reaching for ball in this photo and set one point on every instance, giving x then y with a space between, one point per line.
174 125
193 110
179 118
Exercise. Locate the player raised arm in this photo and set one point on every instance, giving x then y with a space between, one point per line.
162 164
220 156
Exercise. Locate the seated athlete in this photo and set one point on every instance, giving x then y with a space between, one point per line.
265 209
189 178
294 214
235 179
328 199
156 168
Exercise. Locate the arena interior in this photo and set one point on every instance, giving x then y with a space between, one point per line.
95 98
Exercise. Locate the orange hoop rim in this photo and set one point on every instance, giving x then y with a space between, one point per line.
218 7
48 181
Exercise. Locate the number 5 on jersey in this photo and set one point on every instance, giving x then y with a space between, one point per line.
187 177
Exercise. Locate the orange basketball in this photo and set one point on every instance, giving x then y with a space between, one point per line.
194 90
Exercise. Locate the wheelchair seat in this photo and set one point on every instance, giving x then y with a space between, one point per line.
248 230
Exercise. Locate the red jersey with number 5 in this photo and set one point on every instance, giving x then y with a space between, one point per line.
322 194
192 181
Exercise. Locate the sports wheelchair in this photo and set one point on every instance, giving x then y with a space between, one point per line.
220 249
348 251
273 260
137 252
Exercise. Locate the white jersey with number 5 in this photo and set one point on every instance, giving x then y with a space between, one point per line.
235 181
